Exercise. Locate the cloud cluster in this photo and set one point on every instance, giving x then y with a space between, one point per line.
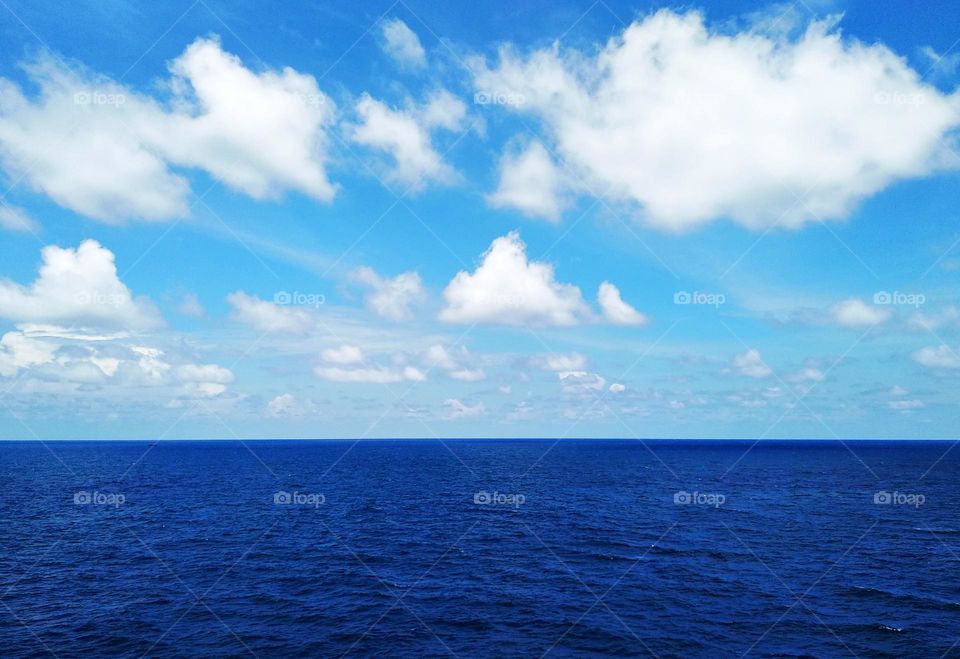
692 124
391 298
107 151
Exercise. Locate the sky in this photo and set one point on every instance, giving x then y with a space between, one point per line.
540 219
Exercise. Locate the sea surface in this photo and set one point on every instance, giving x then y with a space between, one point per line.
479 549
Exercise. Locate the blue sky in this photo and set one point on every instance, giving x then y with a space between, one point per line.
415 219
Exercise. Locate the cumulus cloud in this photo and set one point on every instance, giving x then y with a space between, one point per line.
458 410
692 124
402 44
751 364
531 182
404 135
615 309
345 354
617 388
939 357
282 405
268 317
370 375
106 151
573 361
507 288
857 313
190 306
78 287
455 362
391 298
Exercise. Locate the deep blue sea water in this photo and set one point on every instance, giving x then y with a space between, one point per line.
479 548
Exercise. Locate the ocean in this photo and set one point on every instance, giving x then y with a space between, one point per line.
471 548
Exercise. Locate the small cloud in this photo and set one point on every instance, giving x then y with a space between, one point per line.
345 354
268 317
751 364
16 219
391 298
854 312
615 309
617 388
402 44
459 410
282 405
939 357
905 405
190 306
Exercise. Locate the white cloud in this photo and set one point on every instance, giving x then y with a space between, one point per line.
692 125
345 354
468 374
282 405
615 309
531 183
570 362
508 289
402 44
857 313
106 151
392 298
443 110
941 356
190 306
78 287
905 405
16 219
18 351
265 316
751 365
204 373
617 388
808 374
458 410
455 362
581 382
405 137
897 390
372 374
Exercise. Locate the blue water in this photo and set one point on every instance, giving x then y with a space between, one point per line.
384 551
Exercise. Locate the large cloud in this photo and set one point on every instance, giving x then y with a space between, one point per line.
106 151
80 288
507 288
692 125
